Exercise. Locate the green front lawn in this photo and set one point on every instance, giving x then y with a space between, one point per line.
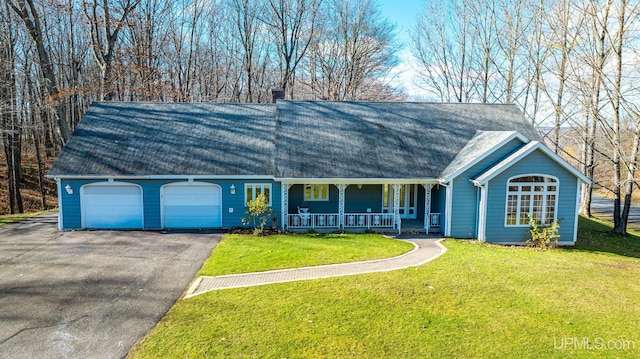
476 301
238 253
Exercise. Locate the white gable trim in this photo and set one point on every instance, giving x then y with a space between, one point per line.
520 154
486 154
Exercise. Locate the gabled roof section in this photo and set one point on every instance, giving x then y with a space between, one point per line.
520 154
399 140
140 139
483 144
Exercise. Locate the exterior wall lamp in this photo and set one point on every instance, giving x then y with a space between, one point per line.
68 189
233 189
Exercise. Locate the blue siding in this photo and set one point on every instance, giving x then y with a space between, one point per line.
151 200
439 204
296 199
71 209
538 163
230 220
357 200
420 203
71 217
464 220
465 209
439 200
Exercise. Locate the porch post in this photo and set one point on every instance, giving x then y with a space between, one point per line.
396 205
341 189
284 201
427 206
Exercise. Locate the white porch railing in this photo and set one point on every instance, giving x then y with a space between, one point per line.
351 220
331 220
368 220
313 220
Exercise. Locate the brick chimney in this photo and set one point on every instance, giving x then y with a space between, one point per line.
277 94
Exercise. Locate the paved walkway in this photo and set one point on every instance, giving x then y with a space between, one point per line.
426 249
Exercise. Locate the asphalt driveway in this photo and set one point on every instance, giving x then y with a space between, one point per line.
89 294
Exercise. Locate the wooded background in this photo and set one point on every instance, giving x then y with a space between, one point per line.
571 66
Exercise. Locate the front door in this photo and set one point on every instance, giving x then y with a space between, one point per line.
408 200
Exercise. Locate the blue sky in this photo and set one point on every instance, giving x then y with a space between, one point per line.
403 13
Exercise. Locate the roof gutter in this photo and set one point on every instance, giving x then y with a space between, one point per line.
129 177
257 177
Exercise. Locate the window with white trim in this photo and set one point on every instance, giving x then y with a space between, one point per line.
536 195
316 192
253 190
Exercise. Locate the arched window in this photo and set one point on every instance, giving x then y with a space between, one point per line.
533 194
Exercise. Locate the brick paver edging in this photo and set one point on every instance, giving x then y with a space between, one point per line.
425 250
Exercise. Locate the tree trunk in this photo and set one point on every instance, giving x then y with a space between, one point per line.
12 142
599 32
9 123
619 226
43 192
630 182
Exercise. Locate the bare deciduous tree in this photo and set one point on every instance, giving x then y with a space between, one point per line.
352 53
292 23
11 129
104 30
30 16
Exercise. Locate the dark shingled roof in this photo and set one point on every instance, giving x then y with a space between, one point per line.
483 142
290 139
382 139
137 138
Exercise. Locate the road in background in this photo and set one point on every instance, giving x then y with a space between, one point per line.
603 208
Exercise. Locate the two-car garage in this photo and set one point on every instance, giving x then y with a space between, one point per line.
120 205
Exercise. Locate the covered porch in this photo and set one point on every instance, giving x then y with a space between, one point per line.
358 207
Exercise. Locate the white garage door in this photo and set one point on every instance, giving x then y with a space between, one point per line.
191 205
112 206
